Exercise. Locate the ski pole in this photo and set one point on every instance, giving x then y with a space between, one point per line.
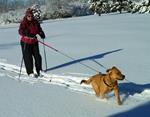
45 55
20 68
67 55
22 61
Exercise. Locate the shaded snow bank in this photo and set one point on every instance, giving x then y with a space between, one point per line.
142 110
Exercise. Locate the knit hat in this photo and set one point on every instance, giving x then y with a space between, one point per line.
29 12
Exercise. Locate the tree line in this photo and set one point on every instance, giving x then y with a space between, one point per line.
7 5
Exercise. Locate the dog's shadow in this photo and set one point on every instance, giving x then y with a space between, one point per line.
131 89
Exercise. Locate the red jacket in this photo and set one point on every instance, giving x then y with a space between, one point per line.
29 29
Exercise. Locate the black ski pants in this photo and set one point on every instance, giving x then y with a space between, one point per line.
31 54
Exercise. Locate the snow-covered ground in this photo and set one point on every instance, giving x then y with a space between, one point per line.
58 92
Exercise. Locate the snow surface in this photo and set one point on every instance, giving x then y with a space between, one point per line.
58 92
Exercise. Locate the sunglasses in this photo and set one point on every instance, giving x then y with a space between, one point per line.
29 16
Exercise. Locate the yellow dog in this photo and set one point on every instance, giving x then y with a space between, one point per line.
104 83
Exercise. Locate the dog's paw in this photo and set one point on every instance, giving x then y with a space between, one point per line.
119 103
102 100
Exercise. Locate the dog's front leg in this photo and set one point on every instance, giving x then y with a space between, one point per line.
116 91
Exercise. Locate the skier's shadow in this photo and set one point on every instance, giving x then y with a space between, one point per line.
131 89
92 58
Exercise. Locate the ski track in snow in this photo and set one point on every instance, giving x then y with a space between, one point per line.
72 81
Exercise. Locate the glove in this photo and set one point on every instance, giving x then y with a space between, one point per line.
42 35
26 33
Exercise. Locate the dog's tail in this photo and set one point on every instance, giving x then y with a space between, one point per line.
86 81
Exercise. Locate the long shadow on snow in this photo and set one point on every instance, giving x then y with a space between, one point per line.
98 56
131 89
140 111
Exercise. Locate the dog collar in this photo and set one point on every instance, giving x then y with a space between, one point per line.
106 83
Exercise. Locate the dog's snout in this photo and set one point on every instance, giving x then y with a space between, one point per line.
123 76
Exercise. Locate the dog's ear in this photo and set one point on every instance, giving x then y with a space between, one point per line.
108 70
114 67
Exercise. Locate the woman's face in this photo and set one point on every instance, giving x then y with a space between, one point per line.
29 17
